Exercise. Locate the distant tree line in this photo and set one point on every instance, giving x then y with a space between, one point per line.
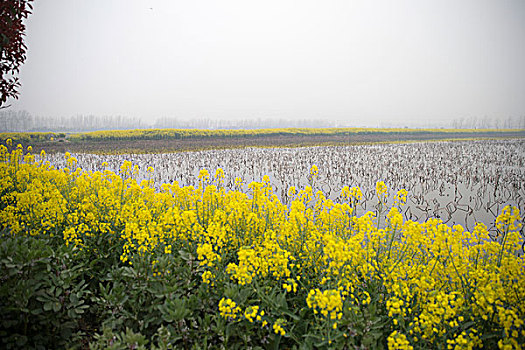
489 123
11 120
16 121
252 123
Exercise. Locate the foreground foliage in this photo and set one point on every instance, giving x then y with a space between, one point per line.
99 258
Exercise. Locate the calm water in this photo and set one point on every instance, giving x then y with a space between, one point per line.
460 182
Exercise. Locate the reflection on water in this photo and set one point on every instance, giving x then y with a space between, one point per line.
459 182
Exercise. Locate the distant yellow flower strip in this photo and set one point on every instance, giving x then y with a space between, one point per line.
433 286
162 134
29 136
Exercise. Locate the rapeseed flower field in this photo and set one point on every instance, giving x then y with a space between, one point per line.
205 267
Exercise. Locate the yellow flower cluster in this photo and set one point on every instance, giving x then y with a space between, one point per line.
398 341
464 341
314 171
352 193
206 255
400 198
252 313
508 225
290 285
207 277
440 312
328 303
508 219
278 327
381 191
268 258
395 218
228 308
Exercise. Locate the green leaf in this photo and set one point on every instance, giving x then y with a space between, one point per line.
73 298
294 316
56 306
37 311
48 306
21 341
71 313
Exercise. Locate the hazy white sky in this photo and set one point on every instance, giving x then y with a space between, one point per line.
360 61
